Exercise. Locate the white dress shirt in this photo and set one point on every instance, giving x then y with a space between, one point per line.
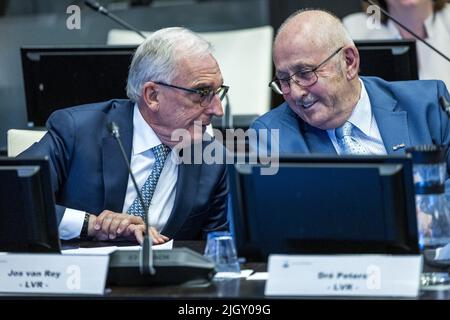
365 129
431 65
142 161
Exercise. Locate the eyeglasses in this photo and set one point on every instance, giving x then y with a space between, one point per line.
206 95
304 78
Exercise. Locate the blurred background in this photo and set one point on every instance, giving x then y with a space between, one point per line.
25 23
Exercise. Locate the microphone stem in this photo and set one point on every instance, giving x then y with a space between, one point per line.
99 8
134 181
410 31
147 257
124 24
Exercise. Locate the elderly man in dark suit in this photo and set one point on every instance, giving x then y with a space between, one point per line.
174 83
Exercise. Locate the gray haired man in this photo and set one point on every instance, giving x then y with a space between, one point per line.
174 83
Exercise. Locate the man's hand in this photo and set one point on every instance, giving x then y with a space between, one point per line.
138 231
111 225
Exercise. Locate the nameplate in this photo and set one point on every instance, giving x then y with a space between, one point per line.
53 273
344 275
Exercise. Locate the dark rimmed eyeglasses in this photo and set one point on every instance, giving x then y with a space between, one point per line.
206 95
304 78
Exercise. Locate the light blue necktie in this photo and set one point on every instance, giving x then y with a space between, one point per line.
160 152
347 142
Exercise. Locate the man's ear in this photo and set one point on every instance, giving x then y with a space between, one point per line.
351 55
150 95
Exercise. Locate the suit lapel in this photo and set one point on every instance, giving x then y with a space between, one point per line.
186 191
318 140
296 136
393 125
115 172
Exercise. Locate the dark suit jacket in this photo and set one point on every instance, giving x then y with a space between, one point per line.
407 112
89 173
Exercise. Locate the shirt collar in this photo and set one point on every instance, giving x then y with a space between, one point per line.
144 138
363 108
431 25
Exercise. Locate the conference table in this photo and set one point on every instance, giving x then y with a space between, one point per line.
216 290
229 289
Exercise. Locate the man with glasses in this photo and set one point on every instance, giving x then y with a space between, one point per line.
174 84
330 109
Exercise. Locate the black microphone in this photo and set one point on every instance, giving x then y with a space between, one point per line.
409 30
445 105
146 257
99 8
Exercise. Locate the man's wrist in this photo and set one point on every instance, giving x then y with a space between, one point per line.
91 225
86 230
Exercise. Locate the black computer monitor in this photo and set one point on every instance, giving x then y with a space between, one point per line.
27 211
62 76
392 60
320 205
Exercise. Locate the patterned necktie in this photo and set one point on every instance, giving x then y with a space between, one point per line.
160 152
348 143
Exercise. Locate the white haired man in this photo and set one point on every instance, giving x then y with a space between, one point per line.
329 108
174 83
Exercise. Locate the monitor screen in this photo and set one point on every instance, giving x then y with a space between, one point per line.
322 205
392 60
27 211
59 77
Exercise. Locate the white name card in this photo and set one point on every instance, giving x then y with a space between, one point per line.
53 273
344 275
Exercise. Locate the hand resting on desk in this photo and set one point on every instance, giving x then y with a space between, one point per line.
111 225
